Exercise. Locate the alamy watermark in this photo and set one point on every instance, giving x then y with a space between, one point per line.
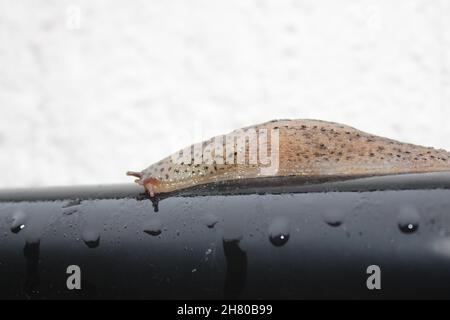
241 147
374 280
74 280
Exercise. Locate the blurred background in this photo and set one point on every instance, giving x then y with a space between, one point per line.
90 89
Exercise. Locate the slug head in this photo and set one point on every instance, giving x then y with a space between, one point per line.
147 181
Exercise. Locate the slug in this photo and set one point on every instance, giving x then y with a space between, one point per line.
308 149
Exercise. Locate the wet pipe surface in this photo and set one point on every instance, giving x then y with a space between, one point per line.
281 241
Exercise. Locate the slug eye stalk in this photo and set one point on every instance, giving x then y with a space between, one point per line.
134 174
137 175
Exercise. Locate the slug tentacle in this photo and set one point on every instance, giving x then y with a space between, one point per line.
134 174
308 149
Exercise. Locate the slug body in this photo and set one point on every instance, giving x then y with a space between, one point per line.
289 148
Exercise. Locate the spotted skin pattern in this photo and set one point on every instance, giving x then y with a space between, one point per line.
307 148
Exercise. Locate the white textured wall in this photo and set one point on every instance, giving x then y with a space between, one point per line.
90 89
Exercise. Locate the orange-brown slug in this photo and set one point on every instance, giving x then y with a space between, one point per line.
285 148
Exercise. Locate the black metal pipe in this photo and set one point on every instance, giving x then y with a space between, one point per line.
281 241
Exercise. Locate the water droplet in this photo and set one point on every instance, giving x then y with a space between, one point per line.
279 231
334 217
18 222
408 219
211 220
153 227
91 238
